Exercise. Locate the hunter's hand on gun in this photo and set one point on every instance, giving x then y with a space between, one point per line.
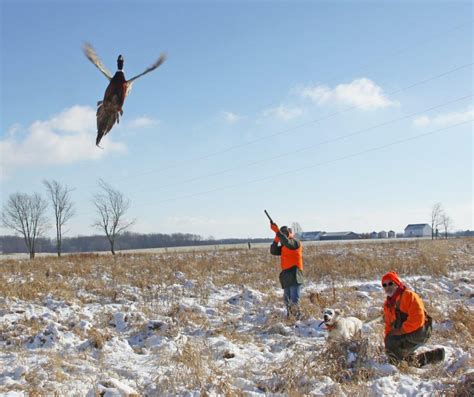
274 227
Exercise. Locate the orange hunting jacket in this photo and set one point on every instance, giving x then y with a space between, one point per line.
291 252
412 306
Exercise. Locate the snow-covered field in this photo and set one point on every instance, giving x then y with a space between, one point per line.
213 323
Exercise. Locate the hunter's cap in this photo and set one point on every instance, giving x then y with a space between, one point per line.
391 276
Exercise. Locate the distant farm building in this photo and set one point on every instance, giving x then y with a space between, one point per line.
374 235
382 234
391 234
310 236
339 236
418 230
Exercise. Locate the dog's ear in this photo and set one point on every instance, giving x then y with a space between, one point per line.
338 312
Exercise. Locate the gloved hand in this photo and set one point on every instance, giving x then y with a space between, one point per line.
274 227
276 240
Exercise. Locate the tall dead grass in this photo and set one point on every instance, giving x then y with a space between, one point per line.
256 268
156 284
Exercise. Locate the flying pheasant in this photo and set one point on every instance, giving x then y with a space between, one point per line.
110 108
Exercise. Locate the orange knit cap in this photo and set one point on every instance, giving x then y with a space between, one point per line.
392 276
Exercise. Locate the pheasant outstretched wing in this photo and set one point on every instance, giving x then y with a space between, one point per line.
159 61
92 56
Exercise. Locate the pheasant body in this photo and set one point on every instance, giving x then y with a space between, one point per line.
110 109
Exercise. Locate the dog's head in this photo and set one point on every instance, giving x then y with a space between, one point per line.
330 316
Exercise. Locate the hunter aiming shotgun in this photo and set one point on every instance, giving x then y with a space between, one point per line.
291 278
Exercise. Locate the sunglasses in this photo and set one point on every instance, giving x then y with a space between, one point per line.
389 284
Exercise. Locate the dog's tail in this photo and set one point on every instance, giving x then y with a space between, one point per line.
373 320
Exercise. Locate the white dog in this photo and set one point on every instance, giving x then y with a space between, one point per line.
341 328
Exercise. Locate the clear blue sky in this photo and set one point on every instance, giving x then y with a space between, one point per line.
241 116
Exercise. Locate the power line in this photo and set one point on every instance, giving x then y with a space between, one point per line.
327 141
288 130
315 165
364 66
308 147
336 113
400 50
376 148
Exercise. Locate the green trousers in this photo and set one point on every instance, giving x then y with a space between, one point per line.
401 347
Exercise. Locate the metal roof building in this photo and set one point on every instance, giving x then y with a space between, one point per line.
340 236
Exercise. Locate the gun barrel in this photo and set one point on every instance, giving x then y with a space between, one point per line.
266 213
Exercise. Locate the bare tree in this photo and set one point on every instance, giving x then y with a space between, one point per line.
111 207
62 207
436 213
26 215
297 229
447 223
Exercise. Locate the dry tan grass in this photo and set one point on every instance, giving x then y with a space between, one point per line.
145 279
464 387
190 370
373 259
229 329
463 320
98 337
102 275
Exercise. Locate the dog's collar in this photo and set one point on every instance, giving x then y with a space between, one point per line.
328 327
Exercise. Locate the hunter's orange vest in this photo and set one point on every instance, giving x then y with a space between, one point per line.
410 304
290 258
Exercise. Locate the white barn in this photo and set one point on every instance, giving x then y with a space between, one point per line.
418 230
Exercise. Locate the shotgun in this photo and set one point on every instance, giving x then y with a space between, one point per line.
271 220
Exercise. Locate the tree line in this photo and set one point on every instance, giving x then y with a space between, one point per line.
27 215
128 240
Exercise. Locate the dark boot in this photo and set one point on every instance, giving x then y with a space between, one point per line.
430 357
